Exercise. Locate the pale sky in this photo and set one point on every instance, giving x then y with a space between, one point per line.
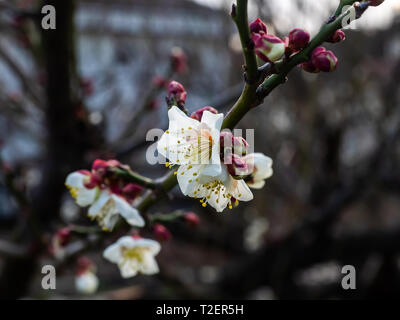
317 12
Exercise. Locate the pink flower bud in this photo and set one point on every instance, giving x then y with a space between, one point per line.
62 236
309 67
237 167
288 50
268 47
240 146
177 92
161 233
84 264
178 60
338 36
375 3
257 26
160 82
192 219
298 39
198 114
87 86
324 60
131 191
99 164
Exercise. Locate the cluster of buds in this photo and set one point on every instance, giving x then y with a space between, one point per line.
102 176
321 60
267 47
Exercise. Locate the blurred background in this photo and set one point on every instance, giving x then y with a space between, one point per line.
92 88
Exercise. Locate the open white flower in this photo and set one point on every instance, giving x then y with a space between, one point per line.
193 145
218 192
107 208
75 182
86 283
259 169
134 255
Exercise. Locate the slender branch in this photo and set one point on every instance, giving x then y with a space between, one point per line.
130 176
239 16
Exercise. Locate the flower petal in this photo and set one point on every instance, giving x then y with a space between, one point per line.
98 205
130 214
113 253
76 180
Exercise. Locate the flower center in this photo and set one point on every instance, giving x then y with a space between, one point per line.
73 191
136 253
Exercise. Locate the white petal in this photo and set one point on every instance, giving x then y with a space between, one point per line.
149 264
213 122
242 191
76 180
130 214
86 197
113 253
128 269
152 245
178 118
98 205
186 180
256 184
263 166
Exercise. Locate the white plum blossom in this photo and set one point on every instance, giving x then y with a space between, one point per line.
105 206
191 143
195 146
134 255
219 192
75 182
259 169
87 282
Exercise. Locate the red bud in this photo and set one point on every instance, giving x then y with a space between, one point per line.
298 39
257 26
161 233
199 113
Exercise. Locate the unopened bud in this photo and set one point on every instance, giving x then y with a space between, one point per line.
178 60
268 47
338 36
257 26
324 60
309 67
161 233
298 39
131 190
192 219
176 91
62 236
198 114
240 146
160 82
237 167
